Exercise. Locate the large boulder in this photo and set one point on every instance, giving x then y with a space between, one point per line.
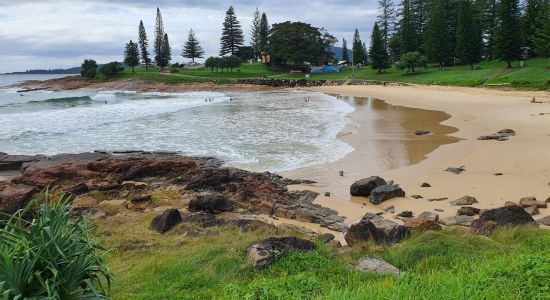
468 211
386 192
15 197
459 220
532 201
378 266
430 216
263 254
211 204
364 187
374 227
503 216
166 221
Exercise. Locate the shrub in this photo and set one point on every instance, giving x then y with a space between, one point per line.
411 60
89 68
110 70
51 256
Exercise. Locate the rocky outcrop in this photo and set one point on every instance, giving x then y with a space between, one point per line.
459 220
378 266
364 187
503 216
263 254
166 221
127 176
211 204
376 228
386 192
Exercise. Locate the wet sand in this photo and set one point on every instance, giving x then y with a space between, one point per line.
386 146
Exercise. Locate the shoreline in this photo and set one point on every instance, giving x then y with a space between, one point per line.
474 112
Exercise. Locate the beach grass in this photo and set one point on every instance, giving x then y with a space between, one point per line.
514 263
535 76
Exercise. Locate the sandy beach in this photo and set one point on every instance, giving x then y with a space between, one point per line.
464 114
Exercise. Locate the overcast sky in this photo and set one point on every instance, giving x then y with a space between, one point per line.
61 33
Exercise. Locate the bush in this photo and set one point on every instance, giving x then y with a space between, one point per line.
89 68
110 70
411 60
50 257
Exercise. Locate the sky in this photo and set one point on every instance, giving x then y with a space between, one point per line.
43 34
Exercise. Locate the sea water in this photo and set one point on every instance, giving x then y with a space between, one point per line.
273 131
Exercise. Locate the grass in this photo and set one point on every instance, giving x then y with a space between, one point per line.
194 263
536 76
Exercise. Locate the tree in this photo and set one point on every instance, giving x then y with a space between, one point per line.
143 45
407 29
264 33
411 60
508 31
468 35
294 43
192 48
386 19
159 40
366 54
345 55
232 62
89 68
357 49
232 34
166 52
488 9
255 33
110 70
532 20
438 42
377 52
245 53
210 63
541 40
131 55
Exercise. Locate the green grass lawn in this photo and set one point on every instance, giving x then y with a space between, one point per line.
490 74
449 264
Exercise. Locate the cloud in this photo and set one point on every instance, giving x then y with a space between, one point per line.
60 33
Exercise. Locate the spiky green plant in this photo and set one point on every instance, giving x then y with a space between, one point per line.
52 256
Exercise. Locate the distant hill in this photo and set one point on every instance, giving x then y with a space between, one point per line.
338 51
75 70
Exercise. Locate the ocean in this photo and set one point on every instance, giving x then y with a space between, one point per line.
259 131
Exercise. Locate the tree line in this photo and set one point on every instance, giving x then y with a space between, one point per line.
447 32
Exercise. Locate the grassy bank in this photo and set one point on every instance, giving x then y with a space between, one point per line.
194 263
535 76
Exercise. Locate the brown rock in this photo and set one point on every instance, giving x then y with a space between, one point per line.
77 189
465 200
84 201
166 221
364 187
532 210
503 216
510 203
544 221
140 203
421 224
15 197
264 253
376 228
429 216
467 211
532 201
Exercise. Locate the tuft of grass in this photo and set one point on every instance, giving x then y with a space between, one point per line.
52 256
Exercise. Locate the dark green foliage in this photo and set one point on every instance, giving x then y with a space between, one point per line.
51 257
89 68
408 29
386 19
358 55
345 55
159 40
110 70
293 43
438 42
395 47
210 63
166 53
508 34
411 60
264 33
255 33
377 52
468 35
532 20
232 34
192 48
131 55
541 39
143 45
245 53
488 11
